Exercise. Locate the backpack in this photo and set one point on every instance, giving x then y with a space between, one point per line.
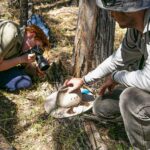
38 20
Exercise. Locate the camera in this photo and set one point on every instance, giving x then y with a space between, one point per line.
41 61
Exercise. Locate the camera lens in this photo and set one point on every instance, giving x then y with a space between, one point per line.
43 66
42 63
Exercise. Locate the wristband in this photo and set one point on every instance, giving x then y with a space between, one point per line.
84 82
112 75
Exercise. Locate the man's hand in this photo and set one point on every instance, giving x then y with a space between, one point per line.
108 84
74 84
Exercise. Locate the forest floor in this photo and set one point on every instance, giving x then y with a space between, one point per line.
22 117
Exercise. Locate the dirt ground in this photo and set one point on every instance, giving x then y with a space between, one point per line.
22 117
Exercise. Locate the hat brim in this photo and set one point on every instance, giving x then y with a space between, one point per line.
128 6
85 105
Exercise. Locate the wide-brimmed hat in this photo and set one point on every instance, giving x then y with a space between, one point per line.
124 5
62 104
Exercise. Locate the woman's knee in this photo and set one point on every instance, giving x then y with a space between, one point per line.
19 82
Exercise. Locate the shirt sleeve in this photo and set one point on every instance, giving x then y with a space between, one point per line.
106 67
8 40
138 78
126 55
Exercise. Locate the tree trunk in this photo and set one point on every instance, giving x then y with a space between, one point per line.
23 12
30 8
94 37
104 39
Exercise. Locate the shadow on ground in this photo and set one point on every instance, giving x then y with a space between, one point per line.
70 135
114 136
8 117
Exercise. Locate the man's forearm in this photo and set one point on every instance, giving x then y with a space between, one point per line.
105 68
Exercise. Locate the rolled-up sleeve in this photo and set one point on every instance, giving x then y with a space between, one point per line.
8 39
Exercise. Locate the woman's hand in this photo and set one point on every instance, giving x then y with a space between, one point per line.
108 84
74 84
27 58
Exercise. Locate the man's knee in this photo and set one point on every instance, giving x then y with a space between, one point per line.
127 98
96 105
107 108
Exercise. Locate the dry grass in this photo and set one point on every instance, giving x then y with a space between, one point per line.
119 34
23 119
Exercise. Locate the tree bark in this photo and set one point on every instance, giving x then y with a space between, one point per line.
23 12
94 37
104 38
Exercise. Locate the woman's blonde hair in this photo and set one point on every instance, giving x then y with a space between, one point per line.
40 35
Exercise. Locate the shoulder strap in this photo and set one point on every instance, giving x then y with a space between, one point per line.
2 22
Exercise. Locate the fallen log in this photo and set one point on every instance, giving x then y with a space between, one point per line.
94 136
